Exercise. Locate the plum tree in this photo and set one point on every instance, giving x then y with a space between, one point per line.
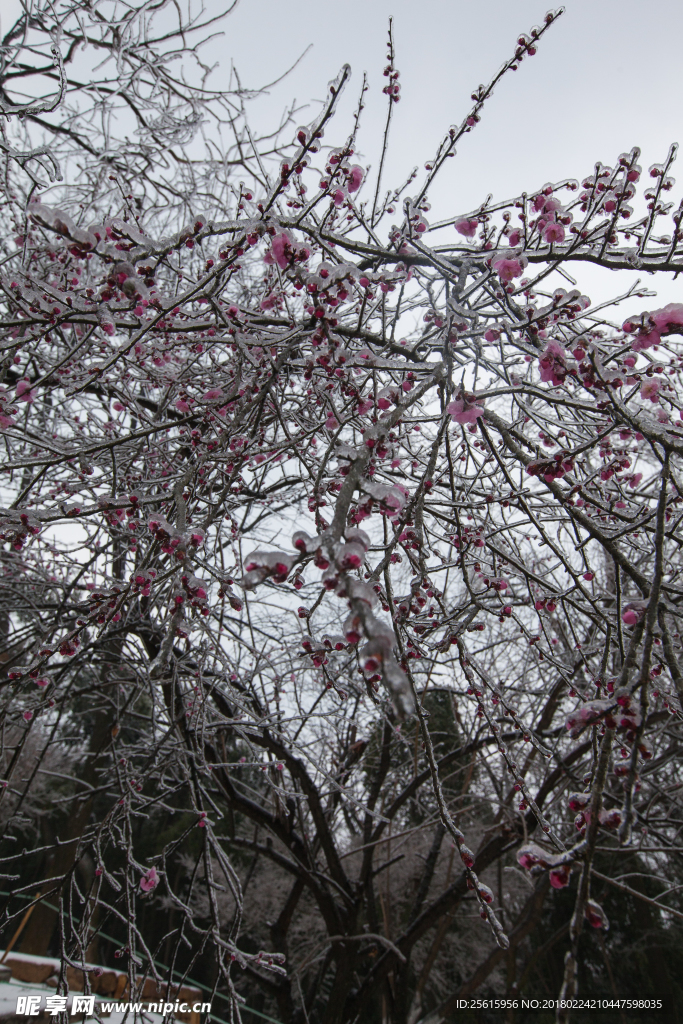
324 523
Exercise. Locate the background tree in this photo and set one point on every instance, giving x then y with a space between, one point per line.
341 565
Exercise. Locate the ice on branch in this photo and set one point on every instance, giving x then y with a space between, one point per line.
263 565
596 916
534 858
7 410
649 328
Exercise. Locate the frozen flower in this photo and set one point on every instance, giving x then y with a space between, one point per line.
553 232
508 267
650 389
150 880
464 409
552 363
6 411
646 339
355 179
596 916
559 876
212 395
466 227
25 393
668 318
551 469
281 251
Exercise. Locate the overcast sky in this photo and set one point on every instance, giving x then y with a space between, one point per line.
607 76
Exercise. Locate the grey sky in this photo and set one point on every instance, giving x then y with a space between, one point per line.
607 76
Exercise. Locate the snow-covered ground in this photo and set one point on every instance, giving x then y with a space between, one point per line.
12 990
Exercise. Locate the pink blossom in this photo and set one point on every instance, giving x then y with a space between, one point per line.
552 363
610 819
527 859
669 317
7 413
551 469
182 406
635 480
466 856
466 227
465 409
595 915
25 393
649 389
212 395
586 714
281 250
559 876
578 801
355 179
507 268
646 339
514 237
554 232
150 880
630 617
531 856
387 396
350 556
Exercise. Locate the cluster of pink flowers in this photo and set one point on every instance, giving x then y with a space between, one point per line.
553 363
652 326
